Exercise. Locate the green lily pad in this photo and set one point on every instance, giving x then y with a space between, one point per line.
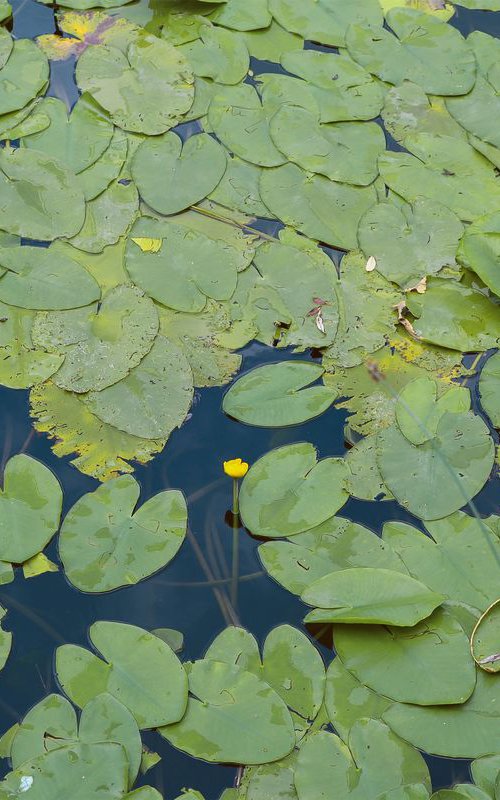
101 343
321 209
242 16
422 49
240 117
153 399
419 410
239 188
374 762
275 395
489 388
407 109
268 44
343 151
459 459
105 719
354 94
145 90
22 364
174 639
324 21
139 670
485 771
224 700
6 41
217 54
412 665
77 139
31 504
39 198
44 278
480 250
183 267
23 76
107 217
347 700
485 640
95 179
80 770
188 172
370 596
461 731
288 491
5 641
105 544
95 448
365 480
410 243
453 315
336 544
45 727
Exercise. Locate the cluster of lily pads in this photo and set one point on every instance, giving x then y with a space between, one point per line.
134 267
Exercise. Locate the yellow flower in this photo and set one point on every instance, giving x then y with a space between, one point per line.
236 468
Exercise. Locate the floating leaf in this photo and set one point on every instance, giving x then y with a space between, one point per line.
414 664
38 565
225 700
55 209
24 75
44 278
419 410
108 217
324 21
101 343
288 491
409 243
343 151
347 700
275 395
375 762
240 16
336 544
45 727
370 596
217 54
485 640
105 544
77 139
408 109
239 188
31 504
422 49
268 44
22 364
146 90
140 671
489 386
480 250
174 639
365 481
321 209
95 179
95 448
5 641
459 459
188 172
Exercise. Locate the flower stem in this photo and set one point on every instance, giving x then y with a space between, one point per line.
236 544
236 499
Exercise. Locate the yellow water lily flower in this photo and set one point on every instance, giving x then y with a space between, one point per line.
236 468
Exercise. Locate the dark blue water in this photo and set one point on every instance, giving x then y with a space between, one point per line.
191 594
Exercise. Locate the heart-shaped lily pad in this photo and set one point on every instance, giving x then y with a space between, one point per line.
288 491
139 670
489 388
275 395
171 176
30 506
485 640
23 76
105 544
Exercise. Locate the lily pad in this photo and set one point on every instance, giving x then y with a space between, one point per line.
31 504
22 364
407 109
239 188
140 671
107 217
171 176
105 544
374 762
354 94
347 700
489 388
44 278
370 596
410 243
224 700
419 410
5 641
275 395
459 459
321 209
480 250
412 665
421 48
342 151
95 179
101 343
184 268
77 139
50 724
145 90
242 16
485 640
217 54
288 491
324 21
23 76
39 198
